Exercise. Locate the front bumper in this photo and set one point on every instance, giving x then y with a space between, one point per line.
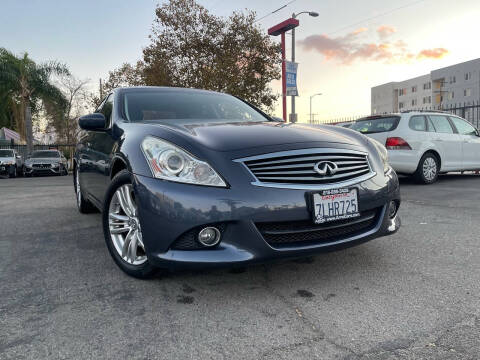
168 210
30 170
5 169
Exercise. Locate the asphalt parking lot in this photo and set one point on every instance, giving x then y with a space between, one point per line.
415 295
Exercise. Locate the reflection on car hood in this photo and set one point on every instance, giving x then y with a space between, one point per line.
240 135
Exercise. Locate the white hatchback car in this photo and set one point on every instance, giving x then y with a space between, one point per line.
425 144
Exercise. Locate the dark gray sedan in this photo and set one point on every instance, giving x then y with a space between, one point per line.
193 178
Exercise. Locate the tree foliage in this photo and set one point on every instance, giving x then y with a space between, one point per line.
192 48
24 87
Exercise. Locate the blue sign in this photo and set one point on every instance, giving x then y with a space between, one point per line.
291 78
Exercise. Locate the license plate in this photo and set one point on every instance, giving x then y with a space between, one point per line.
336 204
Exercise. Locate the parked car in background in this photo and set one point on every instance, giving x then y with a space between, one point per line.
345 124
193 178
45 162
11 163
425 144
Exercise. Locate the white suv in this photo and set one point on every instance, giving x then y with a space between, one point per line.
425 144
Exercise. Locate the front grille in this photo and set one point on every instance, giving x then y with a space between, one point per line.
41 166
297 167
303 233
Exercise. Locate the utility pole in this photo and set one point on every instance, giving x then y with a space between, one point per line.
293 115
101 90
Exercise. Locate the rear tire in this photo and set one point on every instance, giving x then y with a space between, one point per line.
83 205
134 263
428 169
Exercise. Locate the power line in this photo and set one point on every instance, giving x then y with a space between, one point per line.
377 16
274 11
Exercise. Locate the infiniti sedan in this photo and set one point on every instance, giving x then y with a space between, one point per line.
190 178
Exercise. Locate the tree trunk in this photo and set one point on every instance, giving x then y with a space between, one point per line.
28 128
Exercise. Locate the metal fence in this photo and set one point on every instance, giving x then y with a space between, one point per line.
468 111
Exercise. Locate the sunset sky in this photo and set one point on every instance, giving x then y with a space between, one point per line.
342 53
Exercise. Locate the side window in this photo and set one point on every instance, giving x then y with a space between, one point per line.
417 123
107 109
463 127
441 124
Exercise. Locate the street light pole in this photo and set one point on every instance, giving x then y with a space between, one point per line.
311 97
293 115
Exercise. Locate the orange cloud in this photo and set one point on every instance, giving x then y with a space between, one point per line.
351 47
385 31
436 53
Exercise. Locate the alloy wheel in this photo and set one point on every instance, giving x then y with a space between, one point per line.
429 169
124 226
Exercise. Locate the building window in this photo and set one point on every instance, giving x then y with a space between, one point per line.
451 95
414 89
468 76
402 92
467 92
414 102
453 79
400 105
427 86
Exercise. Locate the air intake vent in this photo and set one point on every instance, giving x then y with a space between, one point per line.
310 167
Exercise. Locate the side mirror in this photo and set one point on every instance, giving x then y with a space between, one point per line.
95 121
274 118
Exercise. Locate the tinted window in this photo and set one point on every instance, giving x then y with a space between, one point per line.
45 154
441 124
170 105
463 127
376 125
417 123
6 153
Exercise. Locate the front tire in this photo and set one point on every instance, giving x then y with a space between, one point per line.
121 228
428 169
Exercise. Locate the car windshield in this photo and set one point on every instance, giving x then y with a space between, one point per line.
376 125
45 154
6 153
170 105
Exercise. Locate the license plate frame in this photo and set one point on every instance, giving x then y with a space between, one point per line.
341 204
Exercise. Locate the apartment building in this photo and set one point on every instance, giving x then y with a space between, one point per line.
445 87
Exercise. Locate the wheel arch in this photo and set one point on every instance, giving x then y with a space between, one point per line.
437 155
118 164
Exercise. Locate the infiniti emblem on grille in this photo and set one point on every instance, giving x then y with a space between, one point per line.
326 168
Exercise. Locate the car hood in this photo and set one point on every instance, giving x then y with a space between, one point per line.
6 158
241 135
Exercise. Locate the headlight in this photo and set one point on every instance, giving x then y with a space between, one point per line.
383 152
169 162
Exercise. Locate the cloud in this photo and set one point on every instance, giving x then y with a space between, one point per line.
436 53
385 31
354 46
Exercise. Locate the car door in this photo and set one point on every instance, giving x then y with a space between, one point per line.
470 143
447 141
100 151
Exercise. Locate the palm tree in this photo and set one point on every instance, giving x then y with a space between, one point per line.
23 83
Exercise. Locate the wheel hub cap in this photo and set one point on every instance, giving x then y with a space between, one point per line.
124 226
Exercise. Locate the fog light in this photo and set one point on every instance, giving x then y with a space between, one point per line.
392 210
210 236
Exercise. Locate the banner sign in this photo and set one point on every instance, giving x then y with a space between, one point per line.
291 78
